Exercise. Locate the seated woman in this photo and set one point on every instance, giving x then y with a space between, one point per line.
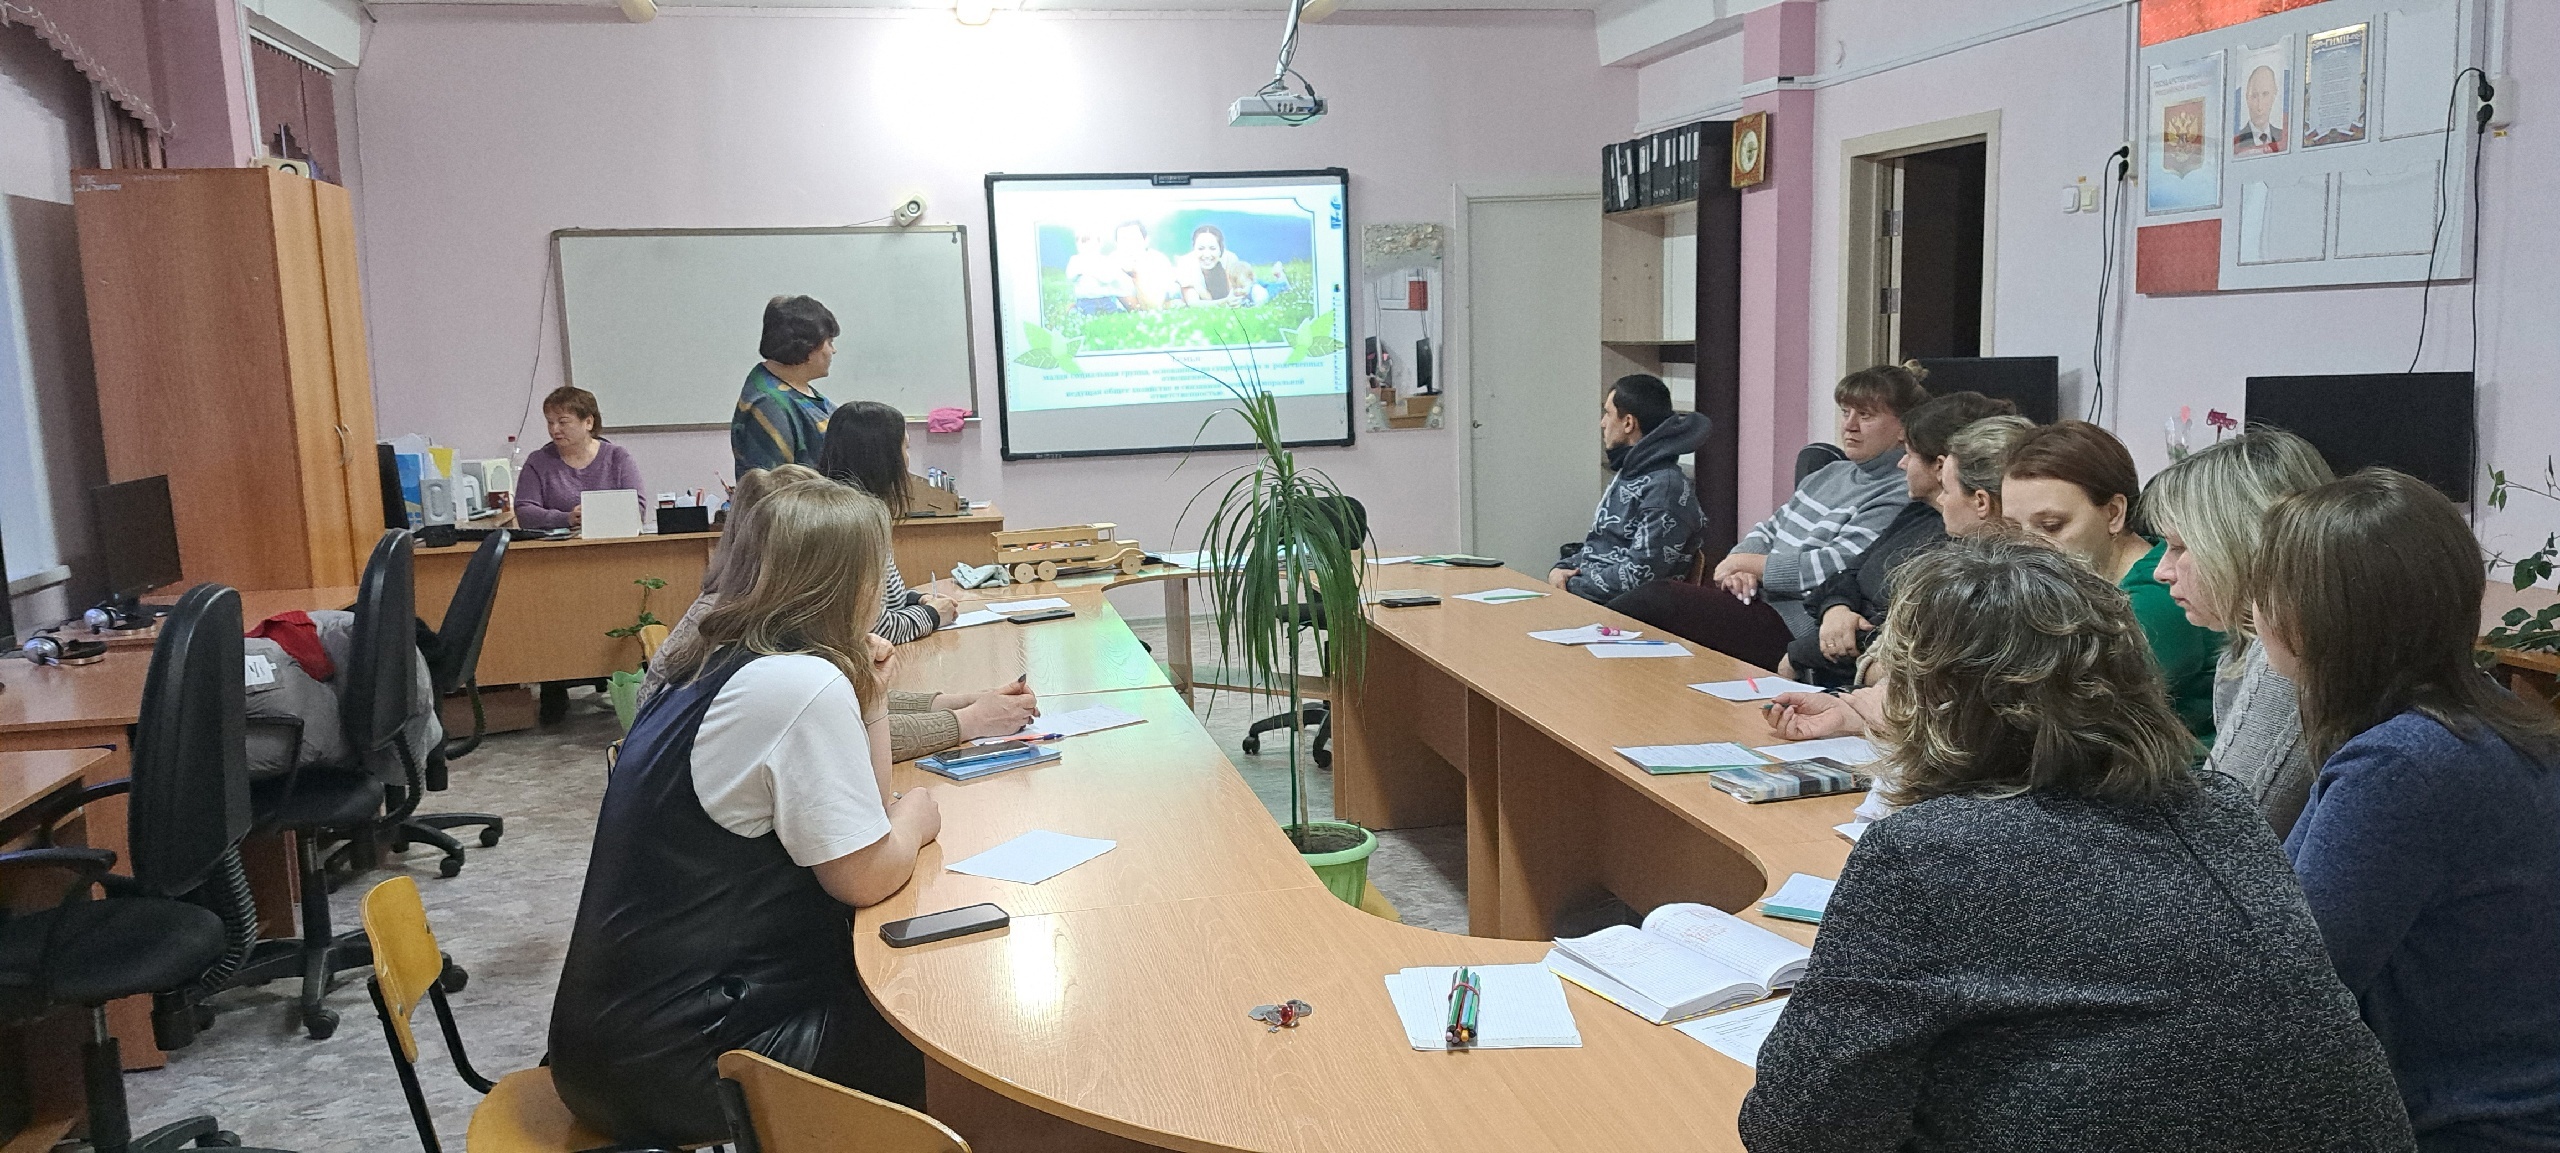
867 448
746 818
1848 607
2133 968
2073 483
920 723
2430 846
1756 605
1968 502
2209 510
579 460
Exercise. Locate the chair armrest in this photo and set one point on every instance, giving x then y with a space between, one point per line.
50 811
89 863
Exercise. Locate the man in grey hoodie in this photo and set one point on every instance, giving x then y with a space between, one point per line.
1647 525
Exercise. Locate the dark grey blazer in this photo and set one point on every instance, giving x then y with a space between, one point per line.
2043 972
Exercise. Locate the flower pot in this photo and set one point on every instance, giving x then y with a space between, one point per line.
623 687
1339 853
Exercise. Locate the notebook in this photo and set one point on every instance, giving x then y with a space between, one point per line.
1091 719
1847 750
1500 596
1523 1008
1686 960
1819 777
1714 756
1802 898
1036 755
1739 1033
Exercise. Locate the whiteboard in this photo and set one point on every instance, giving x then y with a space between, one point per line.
662 324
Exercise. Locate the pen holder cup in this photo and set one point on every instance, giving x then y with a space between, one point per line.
1345 870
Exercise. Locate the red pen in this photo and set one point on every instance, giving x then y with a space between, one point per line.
1754 682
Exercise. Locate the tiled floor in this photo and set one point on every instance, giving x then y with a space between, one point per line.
506 919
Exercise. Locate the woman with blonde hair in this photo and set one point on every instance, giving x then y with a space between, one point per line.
2430 846
919 722
747 817
2066 938
2209 510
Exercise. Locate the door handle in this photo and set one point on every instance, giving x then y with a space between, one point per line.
342 445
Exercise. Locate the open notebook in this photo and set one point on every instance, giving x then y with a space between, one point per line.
1686 960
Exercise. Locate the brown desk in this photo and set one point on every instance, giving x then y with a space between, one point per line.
1110 1015
557 599
927 546
1093 653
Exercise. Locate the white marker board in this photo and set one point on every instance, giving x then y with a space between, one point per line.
662 324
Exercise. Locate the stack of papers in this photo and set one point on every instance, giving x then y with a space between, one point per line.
1664 760
1008 608
1739 1032
990 765
1754 688
1071 724
1501 596
1846 750
1636 649
1034 857
1586 635
1802 898
1523 1008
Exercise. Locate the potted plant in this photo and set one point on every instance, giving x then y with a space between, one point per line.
623 687
2519 630
1278 541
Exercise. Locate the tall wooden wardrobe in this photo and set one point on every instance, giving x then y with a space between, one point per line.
228 335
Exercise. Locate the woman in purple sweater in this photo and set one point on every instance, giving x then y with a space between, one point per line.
577 461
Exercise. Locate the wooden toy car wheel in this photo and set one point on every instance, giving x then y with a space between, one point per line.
1131 561
1048 570
1025 573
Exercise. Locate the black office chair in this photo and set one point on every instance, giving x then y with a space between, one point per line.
1353 517
1814 457
184 919
453 665
319 803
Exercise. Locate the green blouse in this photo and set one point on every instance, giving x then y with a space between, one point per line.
2186 651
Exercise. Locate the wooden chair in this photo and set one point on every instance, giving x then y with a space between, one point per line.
521 1112
774 1108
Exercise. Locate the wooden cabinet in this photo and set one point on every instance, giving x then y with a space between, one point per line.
228 336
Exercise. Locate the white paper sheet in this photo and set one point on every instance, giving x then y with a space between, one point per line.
1846 750
1803 893
1523 1008
1753 688
1393 559
1074 724
1853 830
973 618
1586 635
1501 596
608 513
1637 649
1737 1033
1033 857
1034 605
1714 754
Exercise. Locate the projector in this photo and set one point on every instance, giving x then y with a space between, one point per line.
1274 109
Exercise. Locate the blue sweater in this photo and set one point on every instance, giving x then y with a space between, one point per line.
2432 862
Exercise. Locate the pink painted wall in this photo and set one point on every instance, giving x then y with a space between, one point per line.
2061 93
485 129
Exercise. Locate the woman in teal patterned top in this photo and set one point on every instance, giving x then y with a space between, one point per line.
781 417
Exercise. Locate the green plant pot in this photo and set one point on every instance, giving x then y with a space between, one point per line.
1345 872
624 689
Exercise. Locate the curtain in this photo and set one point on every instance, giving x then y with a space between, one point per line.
109 41
297 110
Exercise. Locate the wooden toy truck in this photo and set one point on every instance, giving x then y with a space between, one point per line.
1048 553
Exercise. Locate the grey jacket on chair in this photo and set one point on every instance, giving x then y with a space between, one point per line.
1646 527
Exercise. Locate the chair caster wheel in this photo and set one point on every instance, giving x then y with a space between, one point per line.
204 1016
1252 746
1324 760
449 868
454 978
219 1139
489 837
319 1023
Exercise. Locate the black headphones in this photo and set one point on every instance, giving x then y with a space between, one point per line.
48 649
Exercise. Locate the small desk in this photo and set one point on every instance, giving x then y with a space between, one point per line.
557 599
927 546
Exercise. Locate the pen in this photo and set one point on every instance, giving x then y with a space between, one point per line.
1648 643
1466 1001
1754 682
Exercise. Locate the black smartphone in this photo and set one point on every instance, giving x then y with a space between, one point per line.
1471 561
1407 602
970 756
1042 615
943 926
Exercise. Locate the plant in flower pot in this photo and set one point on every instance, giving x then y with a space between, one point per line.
2522 630
1283 551
623 686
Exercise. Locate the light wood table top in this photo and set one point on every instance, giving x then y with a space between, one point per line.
1117 997
1095 652
26 778
35 697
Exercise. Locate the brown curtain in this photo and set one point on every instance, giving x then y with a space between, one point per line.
297 110
109 41
130 144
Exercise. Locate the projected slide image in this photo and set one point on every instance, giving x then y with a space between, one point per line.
1191 278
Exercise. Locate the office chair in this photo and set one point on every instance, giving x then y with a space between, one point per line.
184 919
518 1113
454 666
1350 514
340 802
774 1108
1814 457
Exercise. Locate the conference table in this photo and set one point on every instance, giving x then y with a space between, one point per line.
1111 1013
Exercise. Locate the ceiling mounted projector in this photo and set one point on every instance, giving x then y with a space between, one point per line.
1279 104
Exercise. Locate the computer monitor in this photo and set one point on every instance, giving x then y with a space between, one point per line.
2033 383
2417 422
138 537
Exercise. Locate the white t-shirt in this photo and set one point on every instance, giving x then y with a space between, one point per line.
783 750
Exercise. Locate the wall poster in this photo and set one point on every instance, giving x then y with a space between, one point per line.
2262 101
2333 88
2181 174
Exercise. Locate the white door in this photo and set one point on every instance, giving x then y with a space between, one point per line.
1532 316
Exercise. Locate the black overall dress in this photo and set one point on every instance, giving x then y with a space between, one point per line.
691 941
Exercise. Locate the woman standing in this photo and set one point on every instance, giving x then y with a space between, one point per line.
781 418
2430 846
2073 484
867 448
746 818
2066 939
2210 509
579 460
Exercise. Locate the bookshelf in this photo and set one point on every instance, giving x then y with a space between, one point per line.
1670 290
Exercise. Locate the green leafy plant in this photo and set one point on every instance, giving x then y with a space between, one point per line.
1280 539
648 585
2519 629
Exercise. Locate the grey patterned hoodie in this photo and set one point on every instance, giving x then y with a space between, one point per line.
1647 524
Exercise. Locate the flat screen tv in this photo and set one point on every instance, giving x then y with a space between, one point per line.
2033 383
2420 423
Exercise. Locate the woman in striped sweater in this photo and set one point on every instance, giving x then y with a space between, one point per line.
867 448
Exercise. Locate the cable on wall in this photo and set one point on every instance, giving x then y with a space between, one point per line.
2111 213
2435 240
